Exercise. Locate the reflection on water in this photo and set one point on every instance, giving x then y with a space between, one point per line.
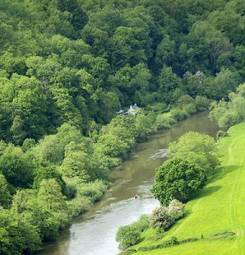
94 233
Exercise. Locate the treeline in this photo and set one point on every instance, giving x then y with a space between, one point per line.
79 62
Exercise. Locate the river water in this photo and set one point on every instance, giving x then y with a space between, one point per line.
94 233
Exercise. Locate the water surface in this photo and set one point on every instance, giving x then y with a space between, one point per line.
94 233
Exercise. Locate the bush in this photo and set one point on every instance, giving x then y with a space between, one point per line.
179 179
161 218
168 243
142 224
131 234
164 120
176 209
197 148
190 108
178 114
165 217
127 236
78 205
94 190
202 103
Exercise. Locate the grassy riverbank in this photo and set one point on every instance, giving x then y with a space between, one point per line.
216 213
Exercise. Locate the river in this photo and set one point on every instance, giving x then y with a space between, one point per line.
94 233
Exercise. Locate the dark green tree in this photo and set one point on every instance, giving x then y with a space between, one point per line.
178 179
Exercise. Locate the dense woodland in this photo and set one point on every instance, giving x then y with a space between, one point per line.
68 66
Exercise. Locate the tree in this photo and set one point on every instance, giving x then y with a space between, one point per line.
222 84
168 83
165 52
228 113
5 196
44 173
17 234
50 196
198 148
205 47
130 80
178 179
53 207
32 109
79 18
16 168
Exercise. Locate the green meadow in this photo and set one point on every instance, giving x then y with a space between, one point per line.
218 210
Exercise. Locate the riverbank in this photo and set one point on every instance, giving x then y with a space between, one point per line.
214 221
98 227
85 163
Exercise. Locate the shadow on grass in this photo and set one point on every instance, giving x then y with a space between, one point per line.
222 172
208 191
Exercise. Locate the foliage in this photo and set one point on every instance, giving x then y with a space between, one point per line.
161 218
228 113
16 168
198 148
215 234
178 178
5 196
68 67
164 217
131 234
94 191
17 234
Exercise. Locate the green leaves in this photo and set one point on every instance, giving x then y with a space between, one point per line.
17 169
178 179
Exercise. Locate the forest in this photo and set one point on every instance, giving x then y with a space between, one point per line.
67 70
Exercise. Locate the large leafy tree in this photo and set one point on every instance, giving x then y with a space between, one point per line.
178 179
16 167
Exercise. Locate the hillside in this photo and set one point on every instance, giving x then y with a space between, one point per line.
70 70
88 59
217 212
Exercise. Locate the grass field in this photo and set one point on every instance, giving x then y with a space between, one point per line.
219 208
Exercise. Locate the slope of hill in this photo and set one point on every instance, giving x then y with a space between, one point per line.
216 217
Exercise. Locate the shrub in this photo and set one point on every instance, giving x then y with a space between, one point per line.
128 236
176 209
164 121
78 205
165 217
161 218
94 190
178 114
190 108
142 224
202 103
131 234
197 148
